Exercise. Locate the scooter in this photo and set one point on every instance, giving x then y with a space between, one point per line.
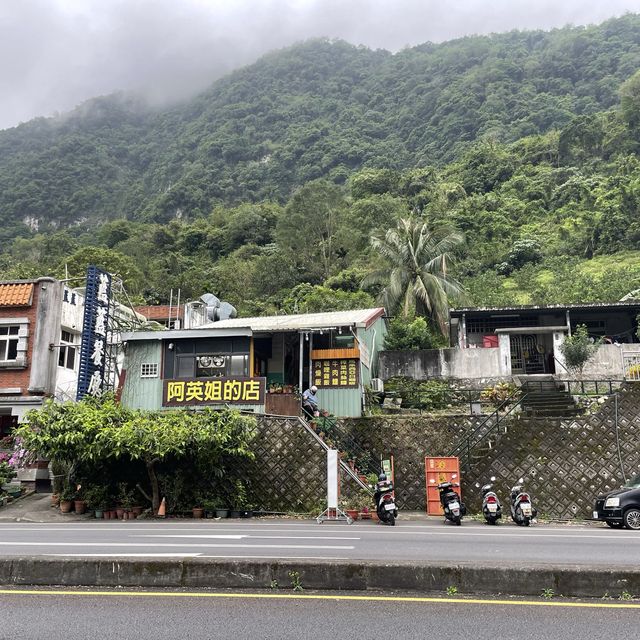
453 508
385 502
522 511
491 508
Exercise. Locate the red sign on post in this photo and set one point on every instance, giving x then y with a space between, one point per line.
439 470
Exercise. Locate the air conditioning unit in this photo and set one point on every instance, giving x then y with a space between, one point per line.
377 385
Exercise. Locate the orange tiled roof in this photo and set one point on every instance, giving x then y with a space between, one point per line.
16 295
159 311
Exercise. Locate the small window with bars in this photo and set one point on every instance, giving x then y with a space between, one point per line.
149 370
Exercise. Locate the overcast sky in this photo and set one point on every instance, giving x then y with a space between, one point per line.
56 53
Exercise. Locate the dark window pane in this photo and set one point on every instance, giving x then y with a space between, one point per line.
61 357
13 331
71 357
186 367
13 350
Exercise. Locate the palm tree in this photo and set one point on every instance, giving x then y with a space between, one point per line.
417 280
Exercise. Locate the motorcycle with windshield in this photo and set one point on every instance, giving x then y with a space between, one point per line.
452 506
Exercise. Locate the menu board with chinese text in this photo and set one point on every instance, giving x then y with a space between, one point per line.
341 373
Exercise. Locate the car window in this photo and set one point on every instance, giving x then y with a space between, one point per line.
633 483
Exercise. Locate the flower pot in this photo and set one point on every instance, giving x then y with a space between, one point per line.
198 512
55 500
129 515
246 513
352 513
65 506
374 516
234 513
136 511
80 506
222 513
99 514
120 514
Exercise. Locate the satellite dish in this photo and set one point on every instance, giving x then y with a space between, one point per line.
226 311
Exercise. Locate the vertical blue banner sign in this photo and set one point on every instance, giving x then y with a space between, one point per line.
93 349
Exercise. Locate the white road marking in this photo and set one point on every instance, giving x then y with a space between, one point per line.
182 555
161 544
122 555
185 535
197 535
400 531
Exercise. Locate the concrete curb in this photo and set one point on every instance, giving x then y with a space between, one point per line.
565 580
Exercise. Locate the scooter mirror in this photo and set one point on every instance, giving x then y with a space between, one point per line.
432 481
520 480
454 476
478 485
493 478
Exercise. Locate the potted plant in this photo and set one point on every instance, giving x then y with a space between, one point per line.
125 502
350 508
216 507
97 498
79 503
67 496
240 501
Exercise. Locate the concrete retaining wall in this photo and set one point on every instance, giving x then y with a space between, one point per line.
590 582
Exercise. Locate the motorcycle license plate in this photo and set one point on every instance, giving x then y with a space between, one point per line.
492 507
526 509
595 515
454 505
390 507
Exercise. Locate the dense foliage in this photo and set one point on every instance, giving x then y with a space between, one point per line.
86 434
266 189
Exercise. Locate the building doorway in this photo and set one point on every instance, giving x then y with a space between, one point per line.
527 355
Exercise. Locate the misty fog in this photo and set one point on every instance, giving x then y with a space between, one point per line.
57 53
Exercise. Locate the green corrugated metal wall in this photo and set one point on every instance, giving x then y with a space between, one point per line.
146 393
142 393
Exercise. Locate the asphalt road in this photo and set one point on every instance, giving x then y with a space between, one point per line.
473 542
154 616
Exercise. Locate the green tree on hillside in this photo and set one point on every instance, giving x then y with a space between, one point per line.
417 278
309 229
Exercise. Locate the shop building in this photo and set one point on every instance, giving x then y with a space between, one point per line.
261 364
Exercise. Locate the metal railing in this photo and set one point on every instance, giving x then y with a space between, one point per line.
574 387
336 436
486 428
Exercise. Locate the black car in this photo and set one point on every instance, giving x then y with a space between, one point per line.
620 508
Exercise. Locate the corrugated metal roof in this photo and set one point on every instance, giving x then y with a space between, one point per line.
357 317
210 331
587 306
16 295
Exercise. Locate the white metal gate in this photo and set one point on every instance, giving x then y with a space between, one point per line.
631 365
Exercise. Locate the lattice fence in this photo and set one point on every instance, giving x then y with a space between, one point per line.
289 473
565 463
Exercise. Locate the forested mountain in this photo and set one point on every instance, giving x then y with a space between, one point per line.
266 188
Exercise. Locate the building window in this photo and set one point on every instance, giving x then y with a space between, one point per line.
213 366
9 342
149 370
67 354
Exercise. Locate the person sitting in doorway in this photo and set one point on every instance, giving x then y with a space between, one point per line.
310 402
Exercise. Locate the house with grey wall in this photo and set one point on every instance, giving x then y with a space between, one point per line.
498 343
